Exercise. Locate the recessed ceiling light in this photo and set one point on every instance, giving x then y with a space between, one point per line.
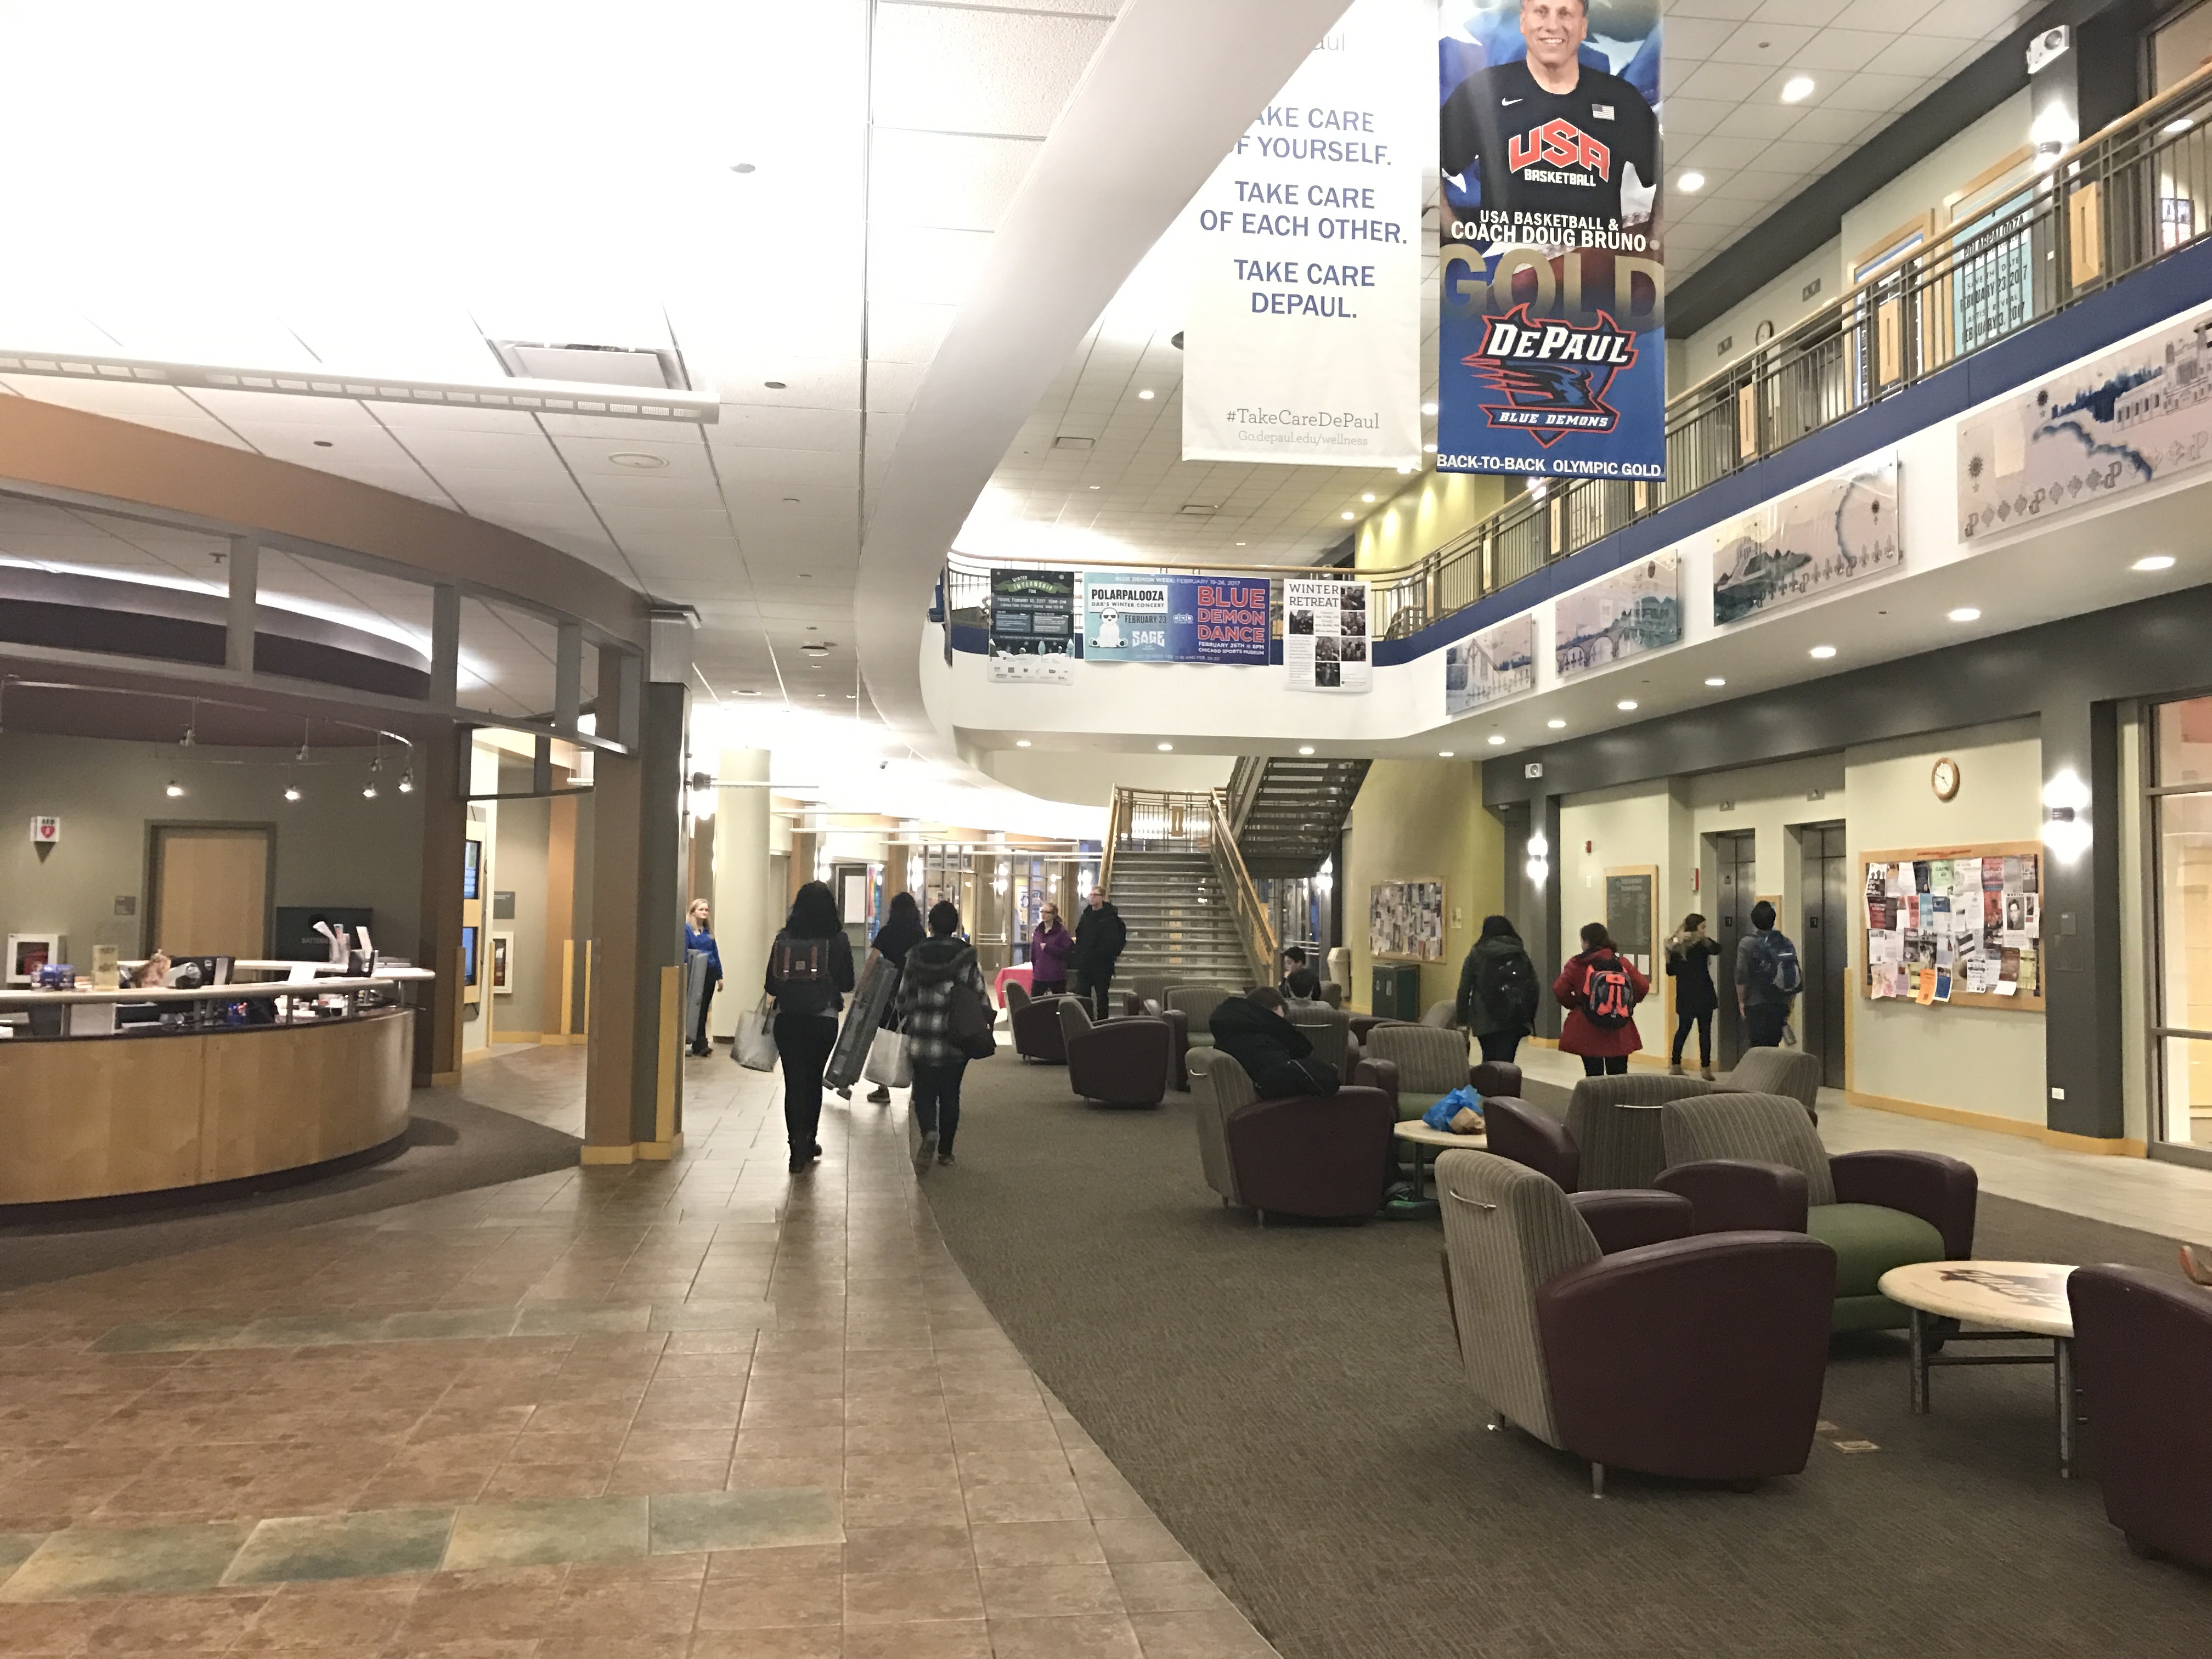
1797 89
2154 562
1496 739
1094 486
1368 496
1428 408
1691 182
1824 652
1021 743
1305 749
1626 705
1166 748
1557 726
1405 468
1428 449
743 692
773 386
1240 544
741 167
806 575
1147 394
1347 513
1444 754
642 462
1714 679
323 443
821 694
1966 613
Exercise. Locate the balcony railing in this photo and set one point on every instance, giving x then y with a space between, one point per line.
2135 193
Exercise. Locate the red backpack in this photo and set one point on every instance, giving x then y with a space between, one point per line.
1608 998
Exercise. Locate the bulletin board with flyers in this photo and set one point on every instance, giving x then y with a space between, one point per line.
1960 925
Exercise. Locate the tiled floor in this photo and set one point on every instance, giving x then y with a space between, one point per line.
701 1409
2125 1192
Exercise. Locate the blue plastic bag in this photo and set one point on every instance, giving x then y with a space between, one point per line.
1439 1116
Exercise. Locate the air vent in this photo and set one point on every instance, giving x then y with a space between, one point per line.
1066 441
594 365
1198 510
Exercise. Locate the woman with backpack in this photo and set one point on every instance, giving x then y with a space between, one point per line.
1690 951
810 969
1600 990
938 971
1498 990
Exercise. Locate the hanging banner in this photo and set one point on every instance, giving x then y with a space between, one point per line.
1637 609
1303 343
1498 662
1325 636
1032 626
1807 543
1174 618
1551 341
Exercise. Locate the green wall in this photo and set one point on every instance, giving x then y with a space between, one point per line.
1422 820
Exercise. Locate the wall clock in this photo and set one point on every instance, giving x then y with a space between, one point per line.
1944 780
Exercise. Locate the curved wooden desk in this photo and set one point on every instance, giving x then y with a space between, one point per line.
101 1116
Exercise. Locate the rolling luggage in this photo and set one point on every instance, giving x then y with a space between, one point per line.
862 1015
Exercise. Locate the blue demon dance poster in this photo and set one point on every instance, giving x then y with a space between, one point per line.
1553 355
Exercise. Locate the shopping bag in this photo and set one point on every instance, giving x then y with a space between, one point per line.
888 1066
754 1047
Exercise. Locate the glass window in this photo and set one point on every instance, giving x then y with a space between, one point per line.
2184 832
2185 742
2178 48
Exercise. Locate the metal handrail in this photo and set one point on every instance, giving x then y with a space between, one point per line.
2123 199
1255 931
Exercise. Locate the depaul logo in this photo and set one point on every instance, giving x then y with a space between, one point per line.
1554 374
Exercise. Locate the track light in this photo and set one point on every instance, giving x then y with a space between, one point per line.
291 792
175 789
369 792
407 782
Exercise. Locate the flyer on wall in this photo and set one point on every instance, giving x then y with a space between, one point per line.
1552 339
1032 626
1303 340
1325 638
1129 617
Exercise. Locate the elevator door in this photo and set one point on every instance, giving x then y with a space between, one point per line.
1735 890
1824 949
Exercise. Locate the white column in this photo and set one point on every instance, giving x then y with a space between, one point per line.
746 915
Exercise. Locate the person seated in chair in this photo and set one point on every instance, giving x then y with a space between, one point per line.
1275 1055
1303 985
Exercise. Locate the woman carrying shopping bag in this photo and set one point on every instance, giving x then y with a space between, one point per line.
939 972
901 932
810 969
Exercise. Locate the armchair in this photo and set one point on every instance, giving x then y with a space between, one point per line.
1614 1122
1327 1030
1121 1062
1416 1066
2142 1341
1698 1358
1196 1003
1756 1160
1035 1024
1303 1154
1790 1072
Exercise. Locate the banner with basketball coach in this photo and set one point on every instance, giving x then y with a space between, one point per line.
1552 353
1303 340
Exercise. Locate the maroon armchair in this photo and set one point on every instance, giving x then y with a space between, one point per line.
1531 1137
1301 1155
1120 1062
1700 1357
2142 1345
1035 1022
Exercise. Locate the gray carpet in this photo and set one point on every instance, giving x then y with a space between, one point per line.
453 1144
1289 1402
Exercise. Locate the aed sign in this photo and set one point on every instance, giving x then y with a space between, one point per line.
44 832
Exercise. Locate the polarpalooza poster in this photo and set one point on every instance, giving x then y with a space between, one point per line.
1325 638
1129 617
1304 333
1032 626
1551 353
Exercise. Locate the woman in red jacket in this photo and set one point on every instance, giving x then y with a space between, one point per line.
1600 990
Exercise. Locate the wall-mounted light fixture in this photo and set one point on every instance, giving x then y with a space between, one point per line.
2066 816
1540 861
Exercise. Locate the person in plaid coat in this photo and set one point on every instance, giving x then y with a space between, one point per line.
925 1019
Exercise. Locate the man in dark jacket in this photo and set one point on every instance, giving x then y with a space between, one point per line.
1100 935
1275 1055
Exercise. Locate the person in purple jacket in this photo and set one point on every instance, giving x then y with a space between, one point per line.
1051 946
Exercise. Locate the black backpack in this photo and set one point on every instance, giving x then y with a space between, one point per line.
1511 994
802 972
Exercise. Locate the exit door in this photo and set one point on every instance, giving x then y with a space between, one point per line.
1735 890
1825 949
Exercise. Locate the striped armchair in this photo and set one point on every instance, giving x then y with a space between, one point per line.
1756 1160
1417 1064
1196 1003
1617 1358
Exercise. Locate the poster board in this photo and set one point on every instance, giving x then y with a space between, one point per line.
1406 921
1632 915
2008 937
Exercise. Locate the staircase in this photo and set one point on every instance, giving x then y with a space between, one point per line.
1287 811
1179 922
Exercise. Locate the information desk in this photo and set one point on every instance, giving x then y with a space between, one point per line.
154 1107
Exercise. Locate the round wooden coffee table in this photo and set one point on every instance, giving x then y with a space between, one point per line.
1421 1135
2015 1300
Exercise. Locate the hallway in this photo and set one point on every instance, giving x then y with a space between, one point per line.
689 1409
